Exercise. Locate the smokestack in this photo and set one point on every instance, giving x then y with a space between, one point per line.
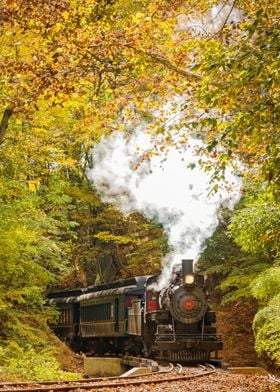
187 267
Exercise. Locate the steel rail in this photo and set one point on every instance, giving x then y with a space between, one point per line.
88 379
97 386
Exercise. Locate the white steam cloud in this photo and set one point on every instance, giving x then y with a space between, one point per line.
213 21
162 188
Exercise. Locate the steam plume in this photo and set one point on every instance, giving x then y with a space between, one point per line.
162 189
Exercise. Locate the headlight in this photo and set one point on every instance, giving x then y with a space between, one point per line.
189 279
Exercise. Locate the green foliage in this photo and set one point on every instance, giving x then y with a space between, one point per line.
256 226
232 269
244 257
267 285
267 330
106 236
239 282
267 320
30 256
35 236
110 245
30 364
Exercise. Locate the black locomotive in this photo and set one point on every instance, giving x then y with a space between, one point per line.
134 316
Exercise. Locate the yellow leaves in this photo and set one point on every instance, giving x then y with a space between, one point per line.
143 21
58 27
33 185
137 17
121 127
65 15
222 125
105 56
106 236
69 43
31 23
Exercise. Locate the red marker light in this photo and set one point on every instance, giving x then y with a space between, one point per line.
189 304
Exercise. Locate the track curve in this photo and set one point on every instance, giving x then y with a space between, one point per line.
98 384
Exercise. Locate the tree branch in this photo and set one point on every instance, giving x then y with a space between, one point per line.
227 18
168 64
165 61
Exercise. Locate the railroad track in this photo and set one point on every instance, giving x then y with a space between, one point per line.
171 373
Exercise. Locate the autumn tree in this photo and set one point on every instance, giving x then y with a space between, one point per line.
232 272
53 228
242 258
109 245
255 227
121 51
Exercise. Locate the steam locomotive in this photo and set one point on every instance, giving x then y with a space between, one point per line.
137 317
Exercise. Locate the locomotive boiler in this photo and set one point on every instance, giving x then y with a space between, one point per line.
140 316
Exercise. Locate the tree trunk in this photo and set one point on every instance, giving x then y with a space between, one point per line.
4 123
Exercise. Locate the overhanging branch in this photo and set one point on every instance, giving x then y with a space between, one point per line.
168 64
165 61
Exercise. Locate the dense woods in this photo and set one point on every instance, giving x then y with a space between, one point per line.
71 71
